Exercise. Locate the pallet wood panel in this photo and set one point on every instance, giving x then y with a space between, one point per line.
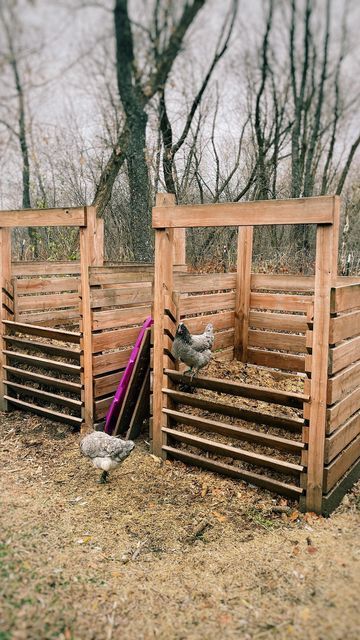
234 214
236 431
234 452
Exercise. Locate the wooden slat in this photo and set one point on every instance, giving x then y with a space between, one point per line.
47 413
46 302
343 383
43 395
345 298
220 321
223 339
101 407
280 301
278 321
243 292
33 330
264 394
70 217
272 340
343 327
282 282
107 277
236 431
342 410
335 443
35 361
120 317
339 466
43 347
275 360
235 472
52 318
46 285
249 415
72 387
334 497
234 452
111 361
295 211
106 384
34 268
202 282
115 339
344 354
207 302
120 297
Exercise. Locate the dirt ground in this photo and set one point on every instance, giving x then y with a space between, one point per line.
163 551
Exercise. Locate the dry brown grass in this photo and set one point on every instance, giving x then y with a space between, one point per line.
86 561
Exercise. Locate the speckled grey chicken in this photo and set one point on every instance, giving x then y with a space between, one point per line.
193 350
105 452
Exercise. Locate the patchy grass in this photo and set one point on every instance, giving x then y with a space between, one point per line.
163 551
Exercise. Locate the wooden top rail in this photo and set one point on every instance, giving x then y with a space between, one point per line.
317 210
69 217
345 298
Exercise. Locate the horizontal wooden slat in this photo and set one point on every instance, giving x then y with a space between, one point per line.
43 347
234 452
72 387
70 217
45 302
343 383
101 407
249 415
119 297
31 286
339 466
33 330
345 298
115 339
344 354
209 302
35 361
220 321
342 410
272 340
235 472
277 321
334 497
52 318
280 301
335 443
39 268
236 431
120 317
282 282
47 413
112 361
115 277
191 283
343 327
43 395
296 211
106 384
264 394
276 360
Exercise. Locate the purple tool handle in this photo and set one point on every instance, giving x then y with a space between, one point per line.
114 409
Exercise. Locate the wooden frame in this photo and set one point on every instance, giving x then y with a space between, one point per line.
322 211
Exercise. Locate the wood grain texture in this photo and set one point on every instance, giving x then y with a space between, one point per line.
335 443
345 298
243 291
341 384
67 217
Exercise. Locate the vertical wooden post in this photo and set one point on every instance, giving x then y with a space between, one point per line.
243 292
168 200
326 247
87 256
5 276
163 288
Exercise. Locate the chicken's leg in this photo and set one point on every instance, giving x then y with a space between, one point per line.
103 477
